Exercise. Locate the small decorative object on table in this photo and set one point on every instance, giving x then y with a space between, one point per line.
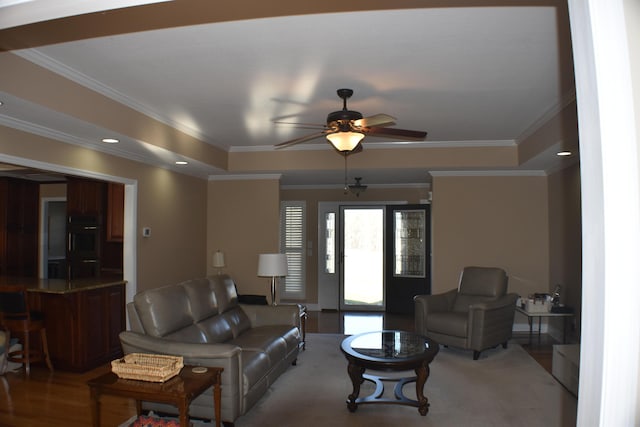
147 367
151 421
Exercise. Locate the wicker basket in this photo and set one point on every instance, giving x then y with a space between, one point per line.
147 367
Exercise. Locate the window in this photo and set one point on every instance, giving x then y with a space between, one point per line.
292 243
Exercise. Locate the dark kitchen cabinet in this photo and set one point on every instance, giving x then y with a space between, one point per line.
19 212
115 212
85 197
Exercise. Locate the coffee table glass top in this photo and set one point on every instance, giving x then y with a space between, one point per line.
388 346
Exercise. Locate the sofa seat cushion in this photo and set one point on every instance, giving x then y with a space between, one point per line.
255 366
290 334
448 323
273 346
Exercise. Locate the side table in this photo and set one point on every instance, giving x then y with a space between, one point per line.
530 315
179 391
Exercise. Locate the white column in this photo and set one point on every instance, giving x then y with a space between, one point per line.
610 350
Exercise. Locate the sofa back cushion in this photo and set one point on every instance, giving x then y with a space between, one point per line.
163 310
202 300
225 290
216 329
237 320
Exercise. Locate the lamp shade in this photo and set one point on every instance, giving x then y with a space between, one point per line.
345 141
218 259
272 265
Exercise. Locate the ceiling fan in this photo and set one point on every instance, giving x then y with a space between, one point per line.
346 128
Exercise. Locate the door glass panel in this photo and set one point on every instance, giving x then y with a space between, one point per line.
409 243
363 267
330 243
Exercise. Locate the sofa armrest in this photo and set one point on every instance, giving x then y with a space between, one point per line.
266 315
133 342
225 356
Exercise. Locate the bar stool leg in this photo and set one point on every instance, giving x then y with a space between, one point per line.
45 349
27 353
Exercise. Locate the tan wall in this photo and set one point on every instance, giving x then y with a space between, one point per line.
172 205
491 221
53 190
565 235
243 222
313 197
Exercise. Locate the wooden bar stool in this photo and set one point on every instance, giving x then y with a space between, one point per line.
22 323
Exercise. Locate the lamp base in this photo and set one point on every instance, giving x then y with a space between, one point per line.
273 291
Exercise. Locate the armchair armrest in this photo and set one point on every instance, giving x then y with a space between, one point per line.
426 304
437 302
503 302
266 315
492 321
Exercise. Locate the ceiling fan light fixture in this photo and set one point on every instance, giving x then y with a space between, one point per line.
358 187
345 141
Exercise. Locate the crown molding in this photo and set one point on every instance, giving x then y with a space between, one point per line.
490 173
245 177
39 58
110 149
417 185
551 112
320 146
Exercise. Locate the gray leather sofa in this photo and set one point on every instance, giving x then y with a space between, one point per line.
201 320
477 315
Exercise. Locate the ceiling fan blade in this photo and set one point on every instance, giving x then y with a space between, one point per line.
301 125
375 120
302 139
395 133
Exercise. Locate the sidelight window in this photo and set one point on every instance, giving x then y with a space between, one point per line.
292 243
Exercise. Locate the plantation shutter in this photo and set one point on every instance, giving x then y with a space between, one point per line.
292 243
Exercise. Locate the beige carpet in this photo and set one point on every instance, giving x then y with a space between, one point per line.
502 388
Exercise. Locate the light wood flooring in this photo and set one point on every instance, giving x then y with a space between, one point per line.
61 399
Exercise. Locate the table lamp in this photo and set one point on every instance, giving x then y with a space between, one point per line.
218 261
272 265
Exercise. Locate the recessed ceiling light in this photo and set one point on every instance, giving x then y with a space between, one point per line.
564 153
1 103
110 140
181 162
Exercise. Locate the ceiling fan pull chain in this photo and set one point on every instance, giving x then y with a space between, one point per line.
346 186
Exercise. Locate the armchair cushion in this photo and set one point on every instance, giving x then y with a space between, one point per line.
452 323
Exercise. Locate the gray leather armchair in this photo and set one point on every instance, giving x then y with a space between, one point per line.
476 316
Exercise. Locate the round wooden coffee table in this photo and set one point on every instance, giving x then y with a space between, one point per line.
389 351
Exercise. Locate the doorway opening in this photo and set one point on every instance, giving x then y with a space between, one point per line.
53 249
362 250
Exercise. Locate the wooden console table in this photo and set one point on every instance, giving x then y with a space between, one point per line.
179 391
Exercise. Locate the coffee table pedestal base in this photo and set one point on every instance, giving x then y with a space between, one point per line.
357 375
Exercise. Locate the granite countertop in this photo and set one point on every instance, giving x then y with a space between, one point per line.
62 286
